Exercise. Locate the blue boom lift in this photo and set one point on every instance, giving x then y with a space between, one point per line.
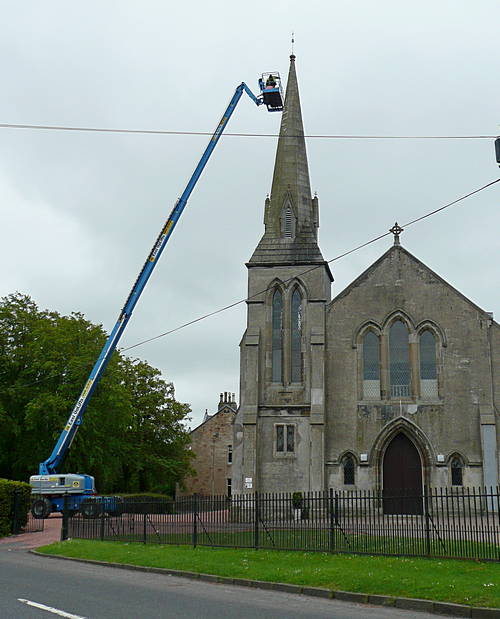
50 488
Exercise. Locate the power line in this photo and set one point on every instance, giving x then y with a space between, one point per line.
245 135
347 253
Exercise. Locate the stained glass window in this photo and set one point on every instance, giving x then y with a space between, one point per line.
277 337
296 335
399 364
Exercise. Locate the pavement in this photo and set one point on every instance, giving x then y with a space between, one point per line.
27 541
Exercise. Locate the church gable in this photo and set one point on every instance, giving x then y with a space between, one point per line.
397 269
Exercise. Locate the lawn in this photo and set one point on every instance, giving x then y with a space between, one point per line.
463 582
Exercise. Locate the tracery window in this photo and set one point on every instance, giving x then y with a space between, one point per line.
371 366
277 337
399 361
457 468
428 369
296 337
348 470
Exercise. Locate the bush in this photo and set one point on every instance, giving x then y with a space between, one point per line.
13 493
147 504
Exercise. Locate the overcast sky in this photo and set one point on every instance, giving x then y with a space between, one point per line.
80 211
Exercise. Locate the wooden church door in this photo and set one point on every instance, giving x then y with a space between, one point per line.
402 477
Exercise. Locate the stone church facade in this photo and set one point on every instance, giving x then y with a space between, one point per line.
393 384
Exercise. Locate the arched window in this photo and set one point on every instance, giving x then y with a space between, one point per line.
277 337
428 370
457 468
399 360
296 337
348 470
371 367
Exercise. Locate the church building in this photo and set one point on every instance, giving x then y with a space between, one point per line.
393 384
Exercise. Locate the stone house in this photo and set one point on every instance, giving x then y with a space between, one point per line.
212 445
393 384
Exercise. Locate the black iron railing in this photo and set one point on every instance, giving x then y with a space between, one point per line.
446 522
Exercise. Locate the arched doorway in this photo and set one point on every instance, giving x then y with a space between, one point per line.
402 477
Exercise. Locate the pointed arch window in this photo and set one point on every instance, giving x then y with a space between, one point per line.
399 360
277 337
348 470
457 468
371 366
296 337
428 369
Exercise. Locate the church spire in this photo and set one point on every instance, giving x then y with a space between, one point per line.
291 213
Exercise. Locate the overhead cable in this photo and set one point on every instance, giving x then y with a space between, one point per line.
246 135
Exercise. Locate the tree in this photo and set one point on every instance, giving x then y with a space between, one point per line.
132 436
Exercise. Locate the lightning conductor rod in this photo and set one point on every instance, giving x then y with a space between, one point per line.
75 419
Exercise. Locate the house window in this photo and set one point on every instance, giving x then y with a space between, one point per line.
348 470
371 367
296 336
229 454
229 486
428 370
277 337
399 361
457 472
285 438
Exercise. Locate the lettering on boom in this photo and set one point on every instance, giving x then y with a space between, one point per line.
219 128
158 245
78 405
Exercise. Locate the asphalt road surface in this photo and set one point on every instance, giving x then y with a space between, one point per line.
76 590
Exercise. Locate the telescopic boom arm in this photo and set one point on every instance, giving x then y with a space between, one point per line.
66 437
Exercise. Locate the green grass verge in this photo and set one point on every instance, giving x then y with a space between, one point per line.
462 582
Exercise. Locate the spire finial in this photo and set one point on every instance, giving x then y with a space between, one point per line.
292 55
396 230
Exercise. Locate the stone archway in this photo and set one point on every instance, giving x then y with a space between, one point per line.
402 477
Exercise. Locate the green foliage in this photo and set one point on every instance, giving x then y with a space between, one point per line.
132 438
8 490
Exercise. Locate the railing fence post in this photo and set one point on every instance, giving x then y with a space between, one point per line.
144 523
331 540
65 518
427 521
256 520
101 533
195 520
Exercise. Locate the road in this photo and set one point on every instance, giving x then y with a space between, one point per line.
97 592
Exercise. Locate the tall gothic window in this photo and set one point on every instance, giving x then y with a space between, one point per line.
428 370
371 367
296 337
277 337
399 360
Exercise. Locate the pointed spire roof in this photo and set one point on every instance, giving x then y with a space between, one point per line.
291 215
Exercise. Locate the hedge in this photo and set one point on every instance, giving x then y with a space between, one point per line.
8 490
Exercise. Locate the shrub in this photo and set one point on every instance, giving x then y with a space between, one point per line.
146 504
13 494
